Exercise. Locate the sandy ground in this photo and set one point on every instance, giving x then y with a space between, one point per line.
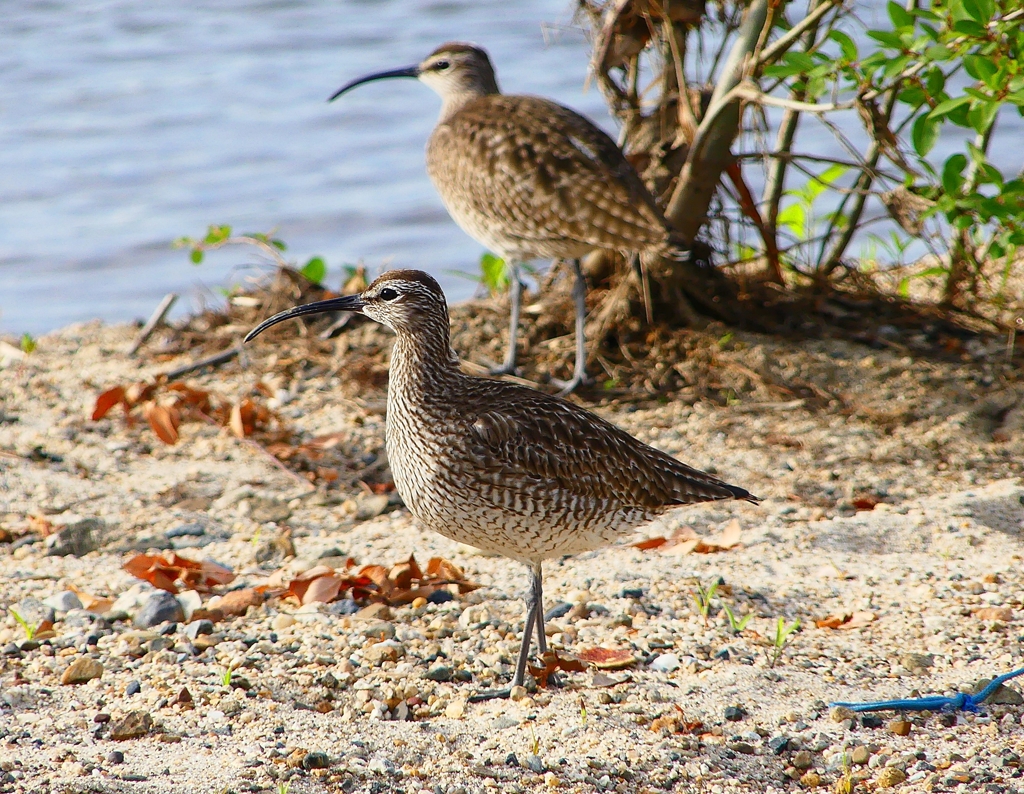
338 702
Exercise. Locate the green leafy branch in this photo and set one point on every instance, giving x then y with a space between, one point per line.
218 236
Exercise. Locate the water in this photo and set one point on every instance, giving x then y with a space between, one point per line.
124 125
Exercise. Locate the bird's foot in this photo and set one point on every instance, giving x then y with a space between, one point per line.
508 368
566 387
491 694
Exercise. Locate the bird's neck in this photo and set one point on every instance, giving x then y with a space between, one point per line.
454 101
422 362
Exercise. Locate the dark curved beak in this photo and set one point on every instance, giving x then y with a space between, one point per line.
405 71
346 303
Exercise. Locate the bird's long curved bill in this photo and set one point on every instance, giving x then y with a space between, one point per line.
346 303
405 71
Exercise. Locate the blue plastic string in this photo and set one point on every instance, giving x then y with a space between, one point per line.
959 702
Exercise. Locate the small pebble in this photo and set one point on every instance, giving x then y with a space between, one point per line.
115 757
81 670
666 663
734 713
890 777
778 744
860 755
803 760
900 727
282 621
810 779
133 688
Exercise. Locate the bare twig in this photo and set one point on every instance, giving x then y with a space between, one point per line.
151 324
782 44
210 361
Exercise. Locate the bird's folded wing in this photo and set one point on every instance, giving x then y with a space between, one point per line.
550 441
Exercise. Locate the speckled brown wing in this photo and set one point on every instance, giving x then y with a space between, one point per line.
519 435
544 173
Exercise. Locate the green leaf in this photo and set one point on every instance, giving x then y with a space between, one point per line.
980 67
28 344
901 18
196 256
886 38
793 217
314 270
924 133
982 116
952 172
846 44
969 27
948 106
279 244
974 10
494 273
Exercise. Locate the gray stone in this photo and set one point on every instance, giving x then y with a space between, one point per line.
1004 695
778 744
193 530
197 627
441 673
33 611
63 601
76 539
371 506
266 511
159 607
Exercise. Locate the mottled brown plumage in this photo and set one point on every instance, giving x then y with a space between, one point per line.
531 179
501 466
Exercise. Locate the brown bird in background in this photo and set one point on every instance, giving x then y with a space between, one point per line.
531 179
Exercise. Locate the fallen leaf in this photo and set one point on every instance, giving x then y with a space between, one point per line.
163 420
651 543
552 662
165 570
106 401
98 605
846 620
865 503
237 602
607 658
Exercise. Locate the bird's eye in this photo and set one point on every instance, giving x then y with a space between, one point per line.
442 65
388 294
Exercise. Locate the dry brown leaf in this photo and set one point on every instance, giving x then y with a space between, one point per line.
846 620
237 602
106 401
607 658
99 605
235 423
685 540
166 570
163 420
552 662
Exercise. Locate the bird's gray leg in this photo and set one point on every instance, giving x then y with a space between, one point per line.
508 367
524 649
534 619
579 294
537 599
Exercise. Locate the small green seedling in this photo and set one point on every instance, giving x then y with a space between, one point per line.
28 344
30 630
283 787
226 678
736 624
534 741
782 634
702 597
583 712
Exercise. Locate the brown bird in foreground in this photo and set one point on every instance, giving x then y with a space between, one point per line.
500 466
531 179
